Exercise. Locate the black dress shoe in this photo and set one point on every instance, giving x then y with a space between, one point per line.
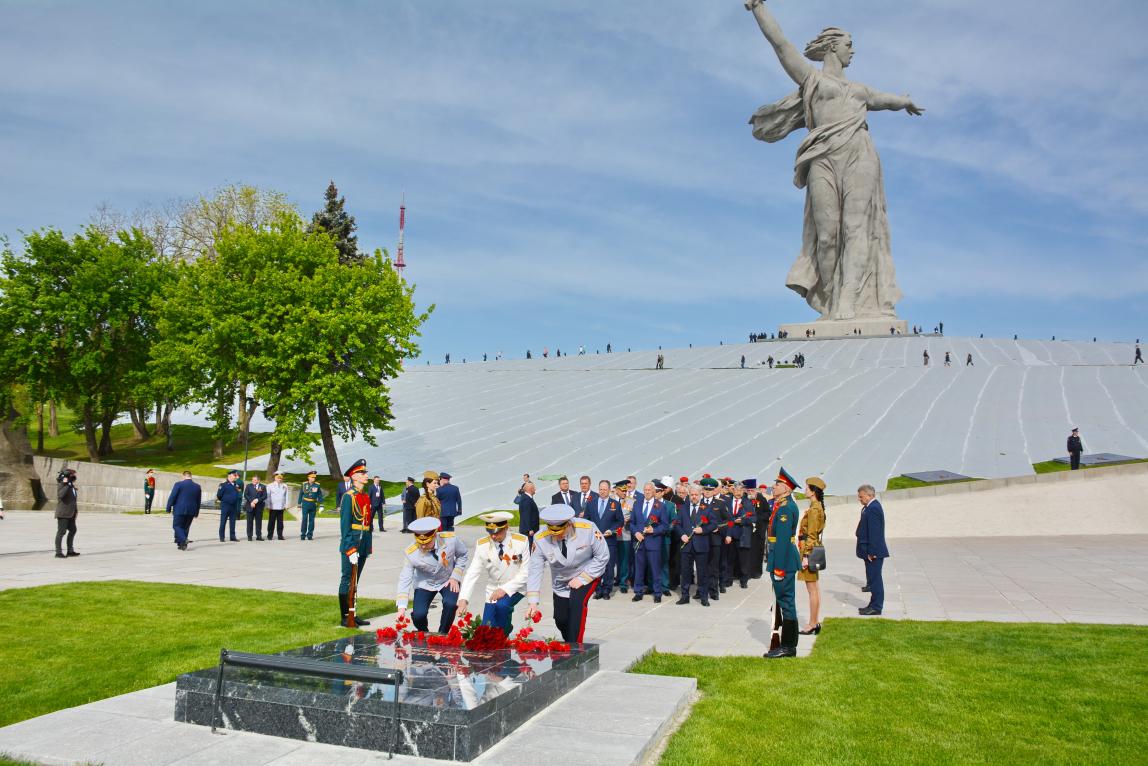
868 610
865 589
60 555
73 553
235 539
780 652
657 598
683 600
697 597
624 589
637 597
816 629
360 621
705 602
744 584
606 596
222 540
715 596
721 588
259 539
598 595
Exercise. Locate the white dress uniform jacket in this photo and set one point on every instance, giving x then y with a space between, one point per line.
510 575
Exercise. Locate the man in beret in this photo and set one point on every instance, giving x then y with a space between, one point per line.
355 541
310 503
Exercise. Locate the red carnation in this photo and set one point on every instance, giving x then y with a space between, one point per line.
386 635
729 523
705 520
537 616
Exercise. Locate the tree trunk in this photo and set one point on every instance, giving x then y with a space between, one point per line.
40 429
106 422
159 417
90 435
274 458
329 444
167 429
139 422
217 449
53 421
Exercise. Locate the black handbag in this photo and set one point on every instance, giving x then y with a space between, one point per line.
816 558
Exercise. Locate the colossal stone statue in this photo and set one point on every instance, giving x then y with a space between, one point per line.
845 269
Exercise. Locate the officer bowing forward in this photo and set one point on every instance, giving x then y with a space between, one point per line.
354 534
577 555
436 562
503 557
783 561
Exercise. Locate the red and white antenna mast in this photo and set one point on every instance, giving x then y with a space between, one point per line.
400 264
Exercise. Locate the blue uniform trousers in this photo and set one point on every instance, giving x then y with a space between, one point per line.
345 578
876 583
625 573
500 613
307 526
691 559
648 569
421 607
783 593
608 575
228 515
181 523
447 523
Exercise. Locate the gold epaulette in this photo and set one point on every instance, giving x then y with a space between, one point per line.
482 540
542 534
446 534
583 524
413 547
518 537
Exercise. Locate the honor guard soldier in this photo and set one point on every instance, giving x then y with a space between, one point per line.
435 565
503 556
719 513
354 534
577 555
149 490
783 561
693 527
310 503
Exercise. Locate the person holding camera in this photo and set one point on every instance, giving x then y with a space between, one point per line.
66 511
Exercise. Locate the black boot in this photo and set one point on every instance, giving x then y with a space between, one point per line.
343 608
789 637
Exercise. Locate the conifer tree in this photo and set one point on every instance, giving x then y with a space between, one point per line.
340 224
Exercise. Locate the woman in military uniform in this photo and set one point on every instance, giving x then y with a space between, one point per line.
428 504
808 536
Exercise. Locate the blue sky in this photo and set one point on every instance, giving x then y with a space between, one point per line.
582 172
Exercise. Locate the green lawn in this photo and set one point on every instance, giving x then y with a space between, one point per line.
904 482
474 521
1051 466
66 645
884 691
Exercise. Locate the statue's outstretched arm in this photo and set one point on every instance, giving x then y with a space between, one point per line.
878 101
791 60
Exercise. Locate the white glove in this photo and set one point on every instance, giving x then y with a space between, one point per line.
354 557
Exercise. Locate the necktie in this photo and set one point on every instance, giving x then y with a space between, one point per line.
566 498
500 551
562 545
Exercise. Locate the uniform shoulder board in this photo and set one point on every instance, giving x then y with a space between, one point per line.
518 537
446 534
542 534
583 524
412 547
482 540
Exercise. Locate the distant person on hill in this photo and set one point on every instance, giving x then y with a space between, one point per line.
948 359
969 360
1139 359
1074 449
925 356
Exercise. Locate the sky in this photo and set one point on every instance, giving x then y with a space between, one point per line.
582 173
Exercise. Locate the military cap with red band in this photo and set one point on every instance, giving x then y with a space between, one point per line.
784 477
359 466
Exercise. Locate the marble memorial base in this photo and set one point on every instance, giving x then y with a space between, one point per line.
453 704
844 328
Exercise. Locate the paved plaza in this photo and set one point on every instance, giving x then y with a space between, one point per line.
1102 579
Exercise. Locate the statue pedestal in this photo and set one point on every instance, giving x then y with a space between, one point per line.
834 328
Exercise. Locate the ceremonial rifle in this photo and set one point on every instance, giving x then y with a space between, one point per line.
353 594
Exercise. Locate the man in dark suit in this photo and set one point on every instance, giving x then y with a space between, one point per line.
66 512
566 496
528 513
375 492
410 497
1075 447
230 497
343 487
450 499
607 515
871 547
254 500
183 505
694 527
649 523
715 507
587 501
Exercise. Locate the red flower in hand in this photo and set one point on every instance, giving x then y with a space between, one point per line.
537 616
705 520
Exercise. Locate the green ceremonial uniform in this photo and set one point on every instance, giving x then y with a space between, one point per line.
310 497
783 560
354 534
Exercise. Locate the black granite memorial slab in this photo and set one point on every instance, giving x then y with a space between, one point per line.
453 703
1099 458
936 477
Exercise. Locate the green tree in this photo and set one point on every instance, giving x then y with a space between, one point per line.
340 224
80 316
